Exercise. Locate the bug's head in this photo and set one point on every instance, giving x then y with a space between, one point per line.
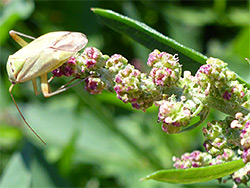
14 66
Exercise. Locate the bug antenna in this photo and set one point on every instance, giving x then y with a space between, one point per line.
10 89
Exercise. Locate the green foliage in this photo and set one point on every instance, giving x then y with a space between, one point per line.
150 38
11 13
29 169
97 141
196 175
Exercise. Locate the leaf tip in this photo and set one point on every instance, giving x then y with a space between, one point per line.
145 178
94 9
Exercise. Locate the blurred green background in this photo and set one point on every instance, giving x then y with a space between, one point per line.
98 141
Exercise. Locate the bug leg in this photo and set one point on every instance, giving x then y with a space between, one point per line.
45 86
10 90
69 82
15 35
35 87
51 78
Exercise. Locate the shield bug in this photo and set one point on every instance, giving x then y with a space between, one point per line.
41 56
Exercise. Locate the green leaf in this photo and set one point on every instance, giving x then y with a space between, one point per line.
197 120
29 169
196 175
11 13
16 173
152 39
66 161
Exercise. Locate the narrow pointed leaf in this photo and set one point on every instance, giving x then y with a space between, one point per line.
196 175
152 39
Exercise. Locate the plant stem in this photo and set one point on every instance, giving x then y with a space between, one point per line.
223 106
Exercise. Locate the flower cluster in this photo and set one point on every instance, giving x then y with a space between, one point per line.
219 136
139 89
149 94
215 79
127 84
91 59
227 155
94 85
173 114
192 160
83 66
231 133
179 99
67 69
134 87
166 69
115 63
201 159
245 136
241 176
77 65
175 96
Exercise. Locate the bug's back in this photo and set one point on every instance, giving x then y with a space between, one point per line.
44 54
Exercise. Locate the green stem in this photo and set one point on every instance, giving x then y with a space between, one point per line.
222 105
198 110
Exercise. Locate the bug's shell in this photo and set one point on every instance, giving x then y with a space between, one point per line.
44 54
